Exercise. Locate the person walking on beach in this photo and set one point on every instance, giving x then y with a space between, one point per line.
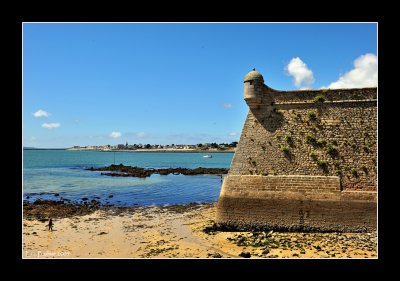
50 224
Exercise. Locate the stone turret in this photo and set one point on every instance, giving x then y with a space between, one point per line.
253 88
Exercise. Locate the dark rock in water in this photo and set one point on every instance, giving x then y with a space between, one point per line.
129 171
110 196
47 202
42 193
27 197
84 198
245 255
56 194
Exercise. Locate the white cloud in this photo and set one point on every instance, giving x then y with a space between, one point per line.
302 75
115 135
227 105
364 74
140 134
41 113
51 125
233 134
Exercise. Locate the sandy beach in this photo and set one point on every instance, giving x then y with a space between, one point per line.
178 232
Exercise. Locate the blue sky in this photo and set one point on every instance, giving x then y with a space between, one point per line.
104 83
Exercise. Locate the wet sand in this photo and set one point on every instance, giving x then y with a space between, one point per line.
178 232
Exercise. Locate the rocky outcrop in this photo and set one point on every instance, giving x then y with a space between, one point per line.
129 171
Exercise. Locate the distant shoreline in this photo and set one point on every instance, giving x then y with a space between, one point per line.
29 148
142 150
161 150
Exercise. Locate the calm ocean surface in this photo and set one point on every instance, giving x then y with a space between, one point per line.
63 172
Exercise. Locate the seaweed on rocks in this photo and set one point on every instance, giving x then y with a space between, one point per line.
43 209
129 171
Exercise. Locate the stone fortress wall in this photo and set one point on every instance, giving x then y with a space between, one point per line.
306 160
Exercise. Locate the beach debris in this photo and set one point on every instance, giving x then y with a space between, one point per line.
265 252
322 244
273 256
245 255
182 208
318 248
211 230
214 255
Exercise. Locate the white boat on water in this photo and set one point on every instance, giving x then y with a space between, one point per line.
207 156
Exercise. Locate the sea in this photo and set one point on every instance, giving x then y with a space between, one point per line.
61 175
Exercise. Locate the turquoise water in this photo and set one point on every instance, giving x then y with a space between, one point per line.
50 172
